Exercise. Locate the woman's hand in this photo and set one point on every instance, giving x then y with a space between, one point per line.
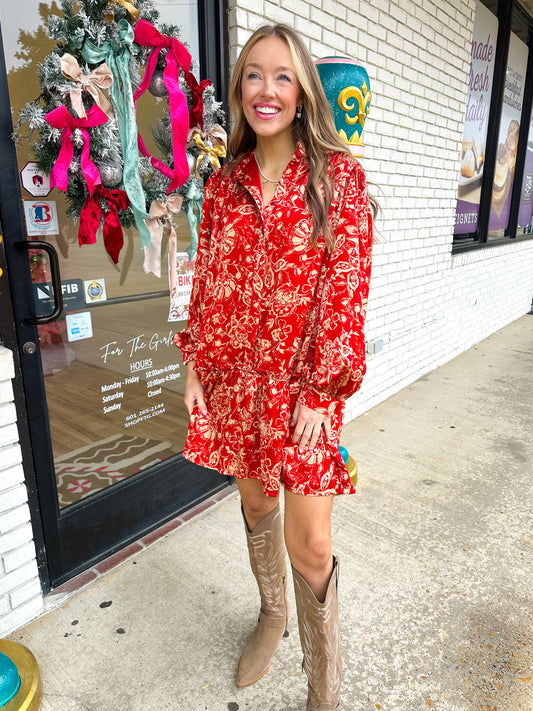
308 424
194 391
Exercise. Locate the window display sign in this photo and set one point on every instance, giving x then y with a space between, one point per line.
41 217
181 274
147 392
525 212
95 290
35 181
476 120
142 394
513 95
79 326
71 289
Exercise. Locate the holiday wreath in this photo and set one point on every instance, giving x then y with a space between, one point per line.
107 54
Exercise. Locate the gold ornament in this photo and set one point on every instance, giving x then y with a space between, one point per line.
134 13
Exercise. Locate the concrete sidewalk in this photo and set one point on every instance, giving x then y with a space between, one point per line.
435 580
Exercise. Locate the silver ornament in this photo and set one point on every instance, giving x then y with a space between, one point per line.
157 84
111 175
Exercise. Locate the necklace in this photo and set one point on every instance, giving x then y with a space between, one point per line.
265 179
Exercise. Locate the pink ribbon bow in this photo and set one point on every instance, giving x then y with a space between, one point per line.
177 56
61 118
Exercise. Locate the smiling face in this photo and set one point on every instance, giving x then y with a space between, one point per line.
269 88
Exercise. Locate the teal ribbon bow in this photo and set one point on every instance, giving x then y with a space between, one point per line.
195 197
116 54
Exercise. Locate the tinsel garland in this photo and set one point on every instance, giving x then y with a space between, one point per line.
99 22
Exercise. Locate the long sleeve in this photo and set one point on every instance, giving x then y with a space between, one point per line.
187 340
336 360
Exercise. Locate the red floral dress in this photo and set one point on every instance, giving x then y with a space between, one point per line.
273 321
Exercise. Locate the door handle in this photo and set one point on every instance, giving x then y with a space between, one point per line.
56 279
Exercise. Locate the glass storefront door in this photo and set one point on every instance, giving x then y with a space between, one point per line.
104 382
113 377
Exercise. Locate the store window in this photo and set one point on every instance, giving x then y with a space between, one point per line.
495 183
114 379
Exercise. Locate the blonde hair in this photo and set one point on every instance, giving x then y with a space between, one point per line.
315 129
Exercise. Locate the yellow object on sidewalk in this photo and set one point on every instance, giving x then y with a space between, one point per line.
29 695
351 465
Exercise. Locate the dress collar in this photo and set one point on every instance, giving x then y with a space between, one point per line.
246 172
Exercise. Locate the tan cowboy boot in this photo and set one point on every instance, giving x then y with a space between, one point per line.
267 559
318 623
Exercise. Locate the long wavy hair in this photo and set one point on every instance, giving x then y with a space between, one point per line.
315 129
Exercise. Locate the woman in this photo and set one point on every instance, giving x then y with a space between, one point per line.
275 344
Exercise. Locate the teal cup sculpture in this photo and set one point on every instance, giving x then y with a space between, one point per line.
347 87
9 679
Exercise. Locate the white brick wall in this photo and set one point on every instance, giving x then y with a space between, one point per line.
20 591
425 304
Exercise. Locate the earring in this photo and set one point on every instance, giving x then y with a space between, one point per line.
299 112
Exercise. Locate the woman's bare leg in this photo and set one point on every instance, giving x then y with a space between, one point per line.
308 538
255 504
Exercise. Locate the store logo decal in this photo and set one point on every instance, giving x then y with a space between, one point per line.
41 214
44 291
41 217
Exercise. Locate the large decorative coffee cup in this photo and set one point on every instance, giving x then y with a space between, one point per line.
347 87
